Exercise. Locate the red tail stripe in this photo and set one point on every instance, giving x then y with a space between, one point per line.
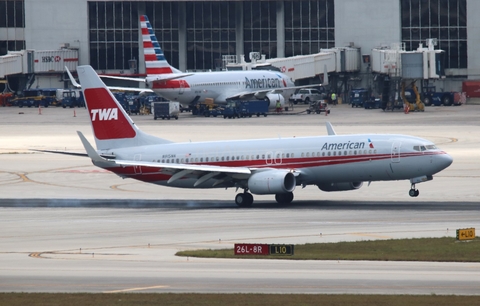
145 31
147 44
151 57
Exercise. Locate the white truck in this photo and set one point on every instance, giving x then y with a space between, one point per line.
165 110
306 95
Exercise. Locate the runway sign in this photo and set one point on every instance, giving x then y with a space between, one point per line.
466 234
281 249
251 249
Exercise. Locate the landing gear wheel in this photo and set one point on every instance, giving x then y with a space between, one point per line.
244 199
284 198
413 192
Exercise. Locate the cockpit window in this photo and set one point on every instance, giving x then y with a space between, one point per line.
424 148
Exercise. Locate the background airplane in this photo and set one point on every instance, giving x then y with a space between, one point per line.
263 166
190 88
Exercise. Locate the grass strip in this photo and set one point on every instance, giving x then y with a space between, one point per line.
418 249
74 299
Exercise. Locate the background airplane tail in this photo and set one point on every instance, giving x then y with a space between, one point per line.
112 127
155 61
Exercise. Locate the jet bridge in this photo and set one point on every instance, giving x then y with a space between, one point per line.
335 60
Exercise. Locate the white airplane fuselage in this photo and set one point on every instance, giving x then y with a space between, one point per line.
320 160
221 85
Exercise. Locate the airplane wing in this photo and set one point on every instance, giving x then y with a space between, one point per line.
140 90
177 171
261 94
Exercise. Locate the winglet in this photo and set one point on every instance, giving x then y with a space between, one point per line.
72 79
330 129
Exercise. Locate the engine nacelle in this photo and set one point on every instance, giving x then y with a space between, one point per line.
340 186
271 182
273 98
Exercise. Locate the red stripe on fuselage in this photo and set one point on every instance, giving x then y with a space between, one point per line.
171 84
162 70
151 174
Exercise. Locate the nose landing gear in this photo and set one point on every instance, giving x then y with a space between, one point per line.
413 192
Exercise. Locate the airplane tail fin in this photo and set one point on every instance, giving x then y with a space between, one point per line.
112 127
155 61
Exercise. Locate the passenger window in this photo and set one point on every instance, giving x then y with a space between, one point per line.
228 157
288 155
201 159
345 153
334 153
328 153
206 159
323 153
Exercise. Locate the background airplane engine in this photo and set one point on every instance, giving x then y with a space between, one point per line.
273 98
271 182
340 186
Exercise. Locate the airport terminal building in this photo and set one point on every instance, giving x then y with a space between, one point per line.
196 34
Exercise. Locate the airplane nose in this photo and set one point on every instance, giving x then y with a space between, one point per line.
445 160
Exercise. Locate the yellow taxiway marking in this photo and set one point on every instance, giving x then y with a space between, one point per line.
135 289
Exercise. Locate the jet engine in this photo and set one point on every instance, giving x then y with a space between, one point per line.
271 182
340 186
273 98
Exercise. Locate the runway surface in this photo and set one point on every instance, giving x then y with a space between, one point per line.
67 226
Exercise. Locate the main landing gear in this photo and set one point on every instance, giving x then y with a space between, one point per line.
413 192
245 199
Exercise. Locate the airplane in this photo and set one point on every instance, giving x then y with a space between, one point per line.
190 88
263 166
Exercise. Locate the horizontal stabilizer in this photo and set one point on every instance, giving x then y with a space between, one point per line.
330 129
72 79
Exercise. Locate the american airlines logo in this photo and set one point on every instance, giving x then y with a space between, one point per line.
104 114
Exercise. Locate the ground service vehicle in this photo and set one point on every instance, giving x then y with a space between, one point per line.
306 95
359 96
432 97
36 97
166 110
316 107
242 109
72 99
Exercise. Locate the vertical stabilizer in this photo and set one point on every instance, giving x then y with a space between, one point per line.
155 62
112 127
